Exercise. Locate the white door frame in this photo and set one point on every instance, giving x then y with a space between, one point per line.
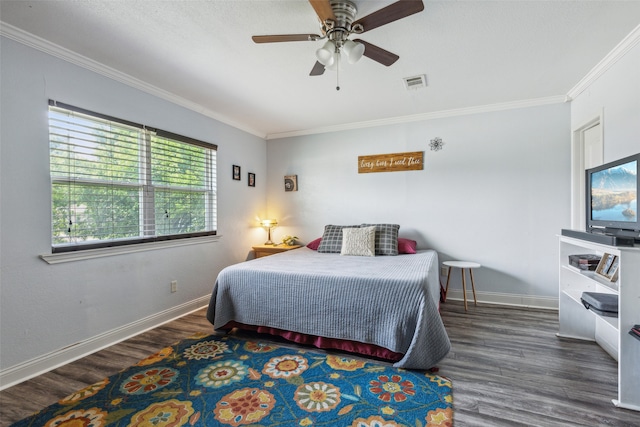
578 219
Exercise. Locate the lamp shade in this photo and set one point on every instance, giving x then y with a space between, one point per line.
353 50
269 223
325 53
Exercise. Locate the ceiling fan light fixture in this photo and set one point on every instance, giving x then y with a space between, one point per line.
338 22
325 53
334 63
353 50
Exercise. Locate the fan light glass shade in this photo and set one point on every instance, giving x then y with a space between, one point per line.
353 50
325 53
334 63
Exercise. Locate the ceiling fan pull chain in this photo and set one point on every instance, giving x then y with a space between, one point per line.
338 70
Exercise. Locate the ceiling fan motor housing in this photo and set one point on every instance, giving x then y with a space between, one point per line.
345 13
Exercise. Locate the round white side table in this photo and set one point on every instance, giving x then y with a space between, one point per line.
462 265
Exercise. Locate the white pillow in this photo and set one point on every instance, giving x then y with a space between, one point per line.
359 241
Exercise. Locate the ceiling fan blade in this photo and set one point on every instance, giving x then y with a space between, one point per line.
378 54
317 70
393 12
286 38
323 9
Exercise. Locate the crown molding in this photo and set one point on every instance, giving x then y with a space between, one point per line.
46 46
621 49
628 43
427 116
57 51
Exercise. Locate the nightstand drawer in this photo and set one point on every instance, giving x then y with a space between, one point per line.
266 250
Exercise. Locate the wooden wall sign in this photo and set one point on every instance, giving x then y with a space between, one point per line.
391 162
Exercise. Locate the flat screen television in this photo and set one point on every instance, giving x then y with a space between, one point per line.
612 197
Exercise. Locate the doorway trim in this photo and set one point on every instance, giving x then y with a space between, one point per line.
578 220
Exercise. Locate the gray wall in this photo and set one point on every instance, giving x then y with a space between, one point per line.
497 193
47 307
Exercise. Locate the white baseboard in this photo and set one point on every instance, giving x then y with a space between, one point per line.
528 301
47 362
34 367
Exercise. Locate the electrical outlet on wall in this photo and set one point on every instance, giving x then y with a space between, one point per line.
174 286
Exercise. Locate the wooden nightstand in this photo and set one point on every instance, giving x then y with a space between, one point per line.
266 250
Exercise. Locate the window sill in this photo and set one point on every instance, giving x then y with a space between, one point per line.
62 257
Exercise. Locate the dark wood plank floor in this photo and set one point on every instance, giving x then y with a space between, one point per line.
507 366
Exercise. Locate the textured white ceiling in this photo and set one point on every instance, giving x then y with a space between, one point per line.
473 53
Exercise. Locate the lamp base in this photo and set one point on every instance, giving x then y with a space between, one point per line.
269 242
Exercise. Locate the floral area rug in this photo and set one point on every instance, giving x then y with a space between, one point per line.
227 381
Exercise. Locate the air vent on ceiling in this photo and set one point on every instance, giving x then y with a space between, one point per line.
415 82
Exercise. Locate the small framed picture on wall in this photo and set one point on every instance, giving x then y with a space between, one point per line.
291 183
236 173
252 179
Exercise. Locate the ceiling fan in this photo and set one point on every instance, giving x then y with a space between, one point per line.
338 22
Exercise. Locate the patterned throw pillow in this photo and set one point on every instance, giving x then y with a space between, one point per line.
386 238
359 241
332 238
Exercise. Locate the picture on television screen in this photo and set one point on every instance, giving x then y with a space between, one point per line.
614 193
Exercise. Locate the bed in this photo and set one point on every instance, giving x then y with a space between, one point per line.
378 306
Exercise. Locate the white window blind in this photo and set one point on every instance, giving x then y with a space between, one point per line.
115 182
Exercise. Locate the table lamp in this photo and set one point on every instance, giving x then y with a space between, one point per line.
268 224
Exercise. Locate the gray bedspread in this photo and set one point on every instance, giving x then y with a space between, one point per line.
389 301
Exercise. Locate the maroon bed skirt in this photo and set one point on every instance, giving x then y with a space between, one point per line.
368 350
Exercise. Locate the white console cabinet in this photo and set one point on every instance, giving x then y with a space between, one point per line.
611 333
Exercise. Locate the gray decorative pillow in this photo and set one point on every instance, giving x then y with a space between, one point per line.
359 241
386 238
332 238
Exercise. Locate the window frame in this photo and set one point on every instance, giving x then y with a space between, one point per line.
148 232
